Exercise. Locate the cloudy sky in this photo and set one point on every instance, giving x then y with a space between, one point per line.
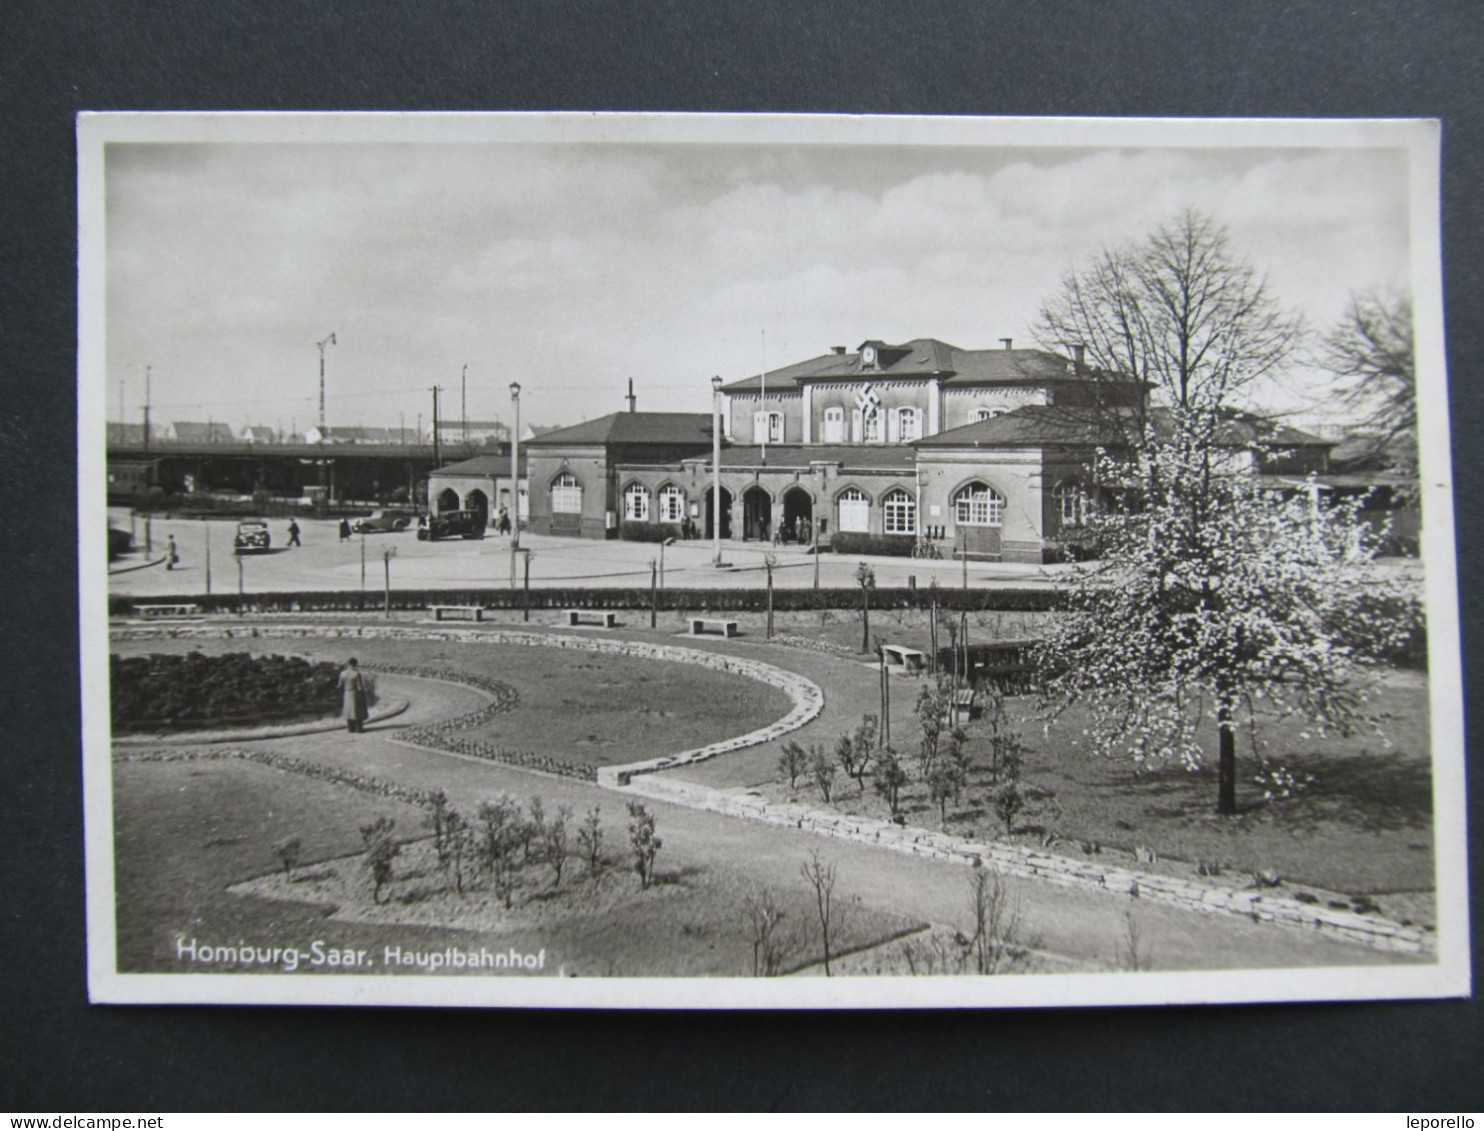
574 268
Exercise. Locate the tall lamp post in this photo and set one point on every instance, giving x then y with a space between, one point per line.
321 344
716 471
514 479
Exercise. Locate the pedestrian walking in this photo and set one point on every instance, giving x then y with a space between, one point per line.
353 697
294 533
344 530
172 555
503 525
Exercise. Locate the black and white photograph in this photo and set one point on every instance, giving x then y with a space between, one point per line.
685 561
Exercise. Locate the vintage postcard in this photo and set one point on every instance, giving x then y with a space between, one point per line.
731 561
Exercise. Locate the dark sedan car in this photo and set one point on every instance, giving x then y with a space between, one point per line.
451 524
252 538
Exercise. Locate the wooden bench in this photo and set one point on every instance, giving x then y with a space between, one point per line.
166 612
718 625
457 612
908 659
605 617
967 701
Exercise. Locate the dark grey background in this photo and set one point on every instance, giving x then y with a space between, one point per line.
1097 57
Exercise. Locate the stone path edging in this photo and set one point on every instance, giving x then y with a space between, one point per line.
803 693
388 710
1015 860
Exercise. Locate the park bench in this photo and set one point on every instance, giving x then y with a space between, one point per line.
908 659
718 625
457 612
966 701
605 617
166 612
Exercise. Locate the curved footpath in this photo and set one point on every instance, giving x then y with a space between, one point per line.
1076 906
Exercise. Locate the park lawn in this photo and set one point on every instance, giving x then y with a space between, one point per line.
1362 828
586 707
187 831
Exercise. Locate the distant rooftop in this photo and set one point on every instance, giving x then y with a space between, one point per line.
921 357
633 428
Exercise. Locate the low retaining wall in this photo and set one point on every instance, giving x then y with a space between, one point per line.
1014 860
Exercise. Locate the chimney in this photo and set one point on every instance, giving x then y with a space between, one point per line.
837 349
1079 356
1007 342
631 398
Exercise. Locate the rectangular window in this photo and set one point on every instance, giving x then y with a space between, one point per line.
910 427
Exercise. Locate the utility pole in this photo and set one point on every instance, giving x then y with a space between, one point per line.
320 345
464 404
149 472
515 484
437 462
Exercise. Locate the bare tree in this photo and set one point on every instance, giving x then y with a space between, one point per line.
822 772
995 923
555 846
772 942
793 760
1370 352
821 879
381 848
289 853
590 840
645 843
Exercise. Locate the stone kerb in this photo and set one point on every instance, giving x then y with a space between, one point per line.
803 693
1028 863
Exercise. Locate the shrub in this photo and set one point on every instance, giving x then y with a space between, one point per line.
649 531
884 545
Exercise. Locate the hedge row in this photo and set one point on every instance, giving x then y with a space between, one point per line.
637 599
880 545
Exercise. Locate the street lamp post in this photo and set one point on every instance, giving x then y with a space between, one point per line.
321 344
716 471
514 479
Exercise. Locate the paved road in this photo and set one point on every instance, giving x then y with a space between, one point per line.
325 562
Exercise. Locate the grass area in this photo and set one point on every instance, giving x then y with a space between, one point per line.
189 831
1362 827
578 706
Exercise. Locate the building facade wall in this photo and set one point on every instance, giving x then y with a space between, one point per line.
741 410
589 467
962 406
1017 475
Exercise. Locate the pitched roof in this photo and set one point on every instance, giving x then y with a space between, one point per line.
483 465
213 431
856 456
633 428
1036 425
921 357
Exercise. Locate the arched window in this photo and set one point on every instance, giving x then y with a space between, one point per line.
909 424
636 503
672 503
1071 503
978 504
899 510
834 425
566 495
855 512
871 426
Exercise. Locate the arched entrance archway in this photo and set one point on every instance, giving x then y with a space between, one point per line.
726 513
476 500
798 515
757 515
448 500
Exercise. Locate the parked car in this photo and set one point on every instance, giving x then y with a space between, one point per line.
384 522
252 538
450 524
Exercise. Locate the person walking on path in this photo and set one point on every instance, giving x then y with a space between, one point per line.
294 533
172 555
344 530
353 702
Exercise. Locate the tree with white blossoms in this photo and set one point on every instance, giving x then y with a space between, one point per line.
1219 592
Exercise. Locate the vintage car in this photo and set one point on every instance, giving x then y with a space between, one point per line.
451 524
252 538
384 522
